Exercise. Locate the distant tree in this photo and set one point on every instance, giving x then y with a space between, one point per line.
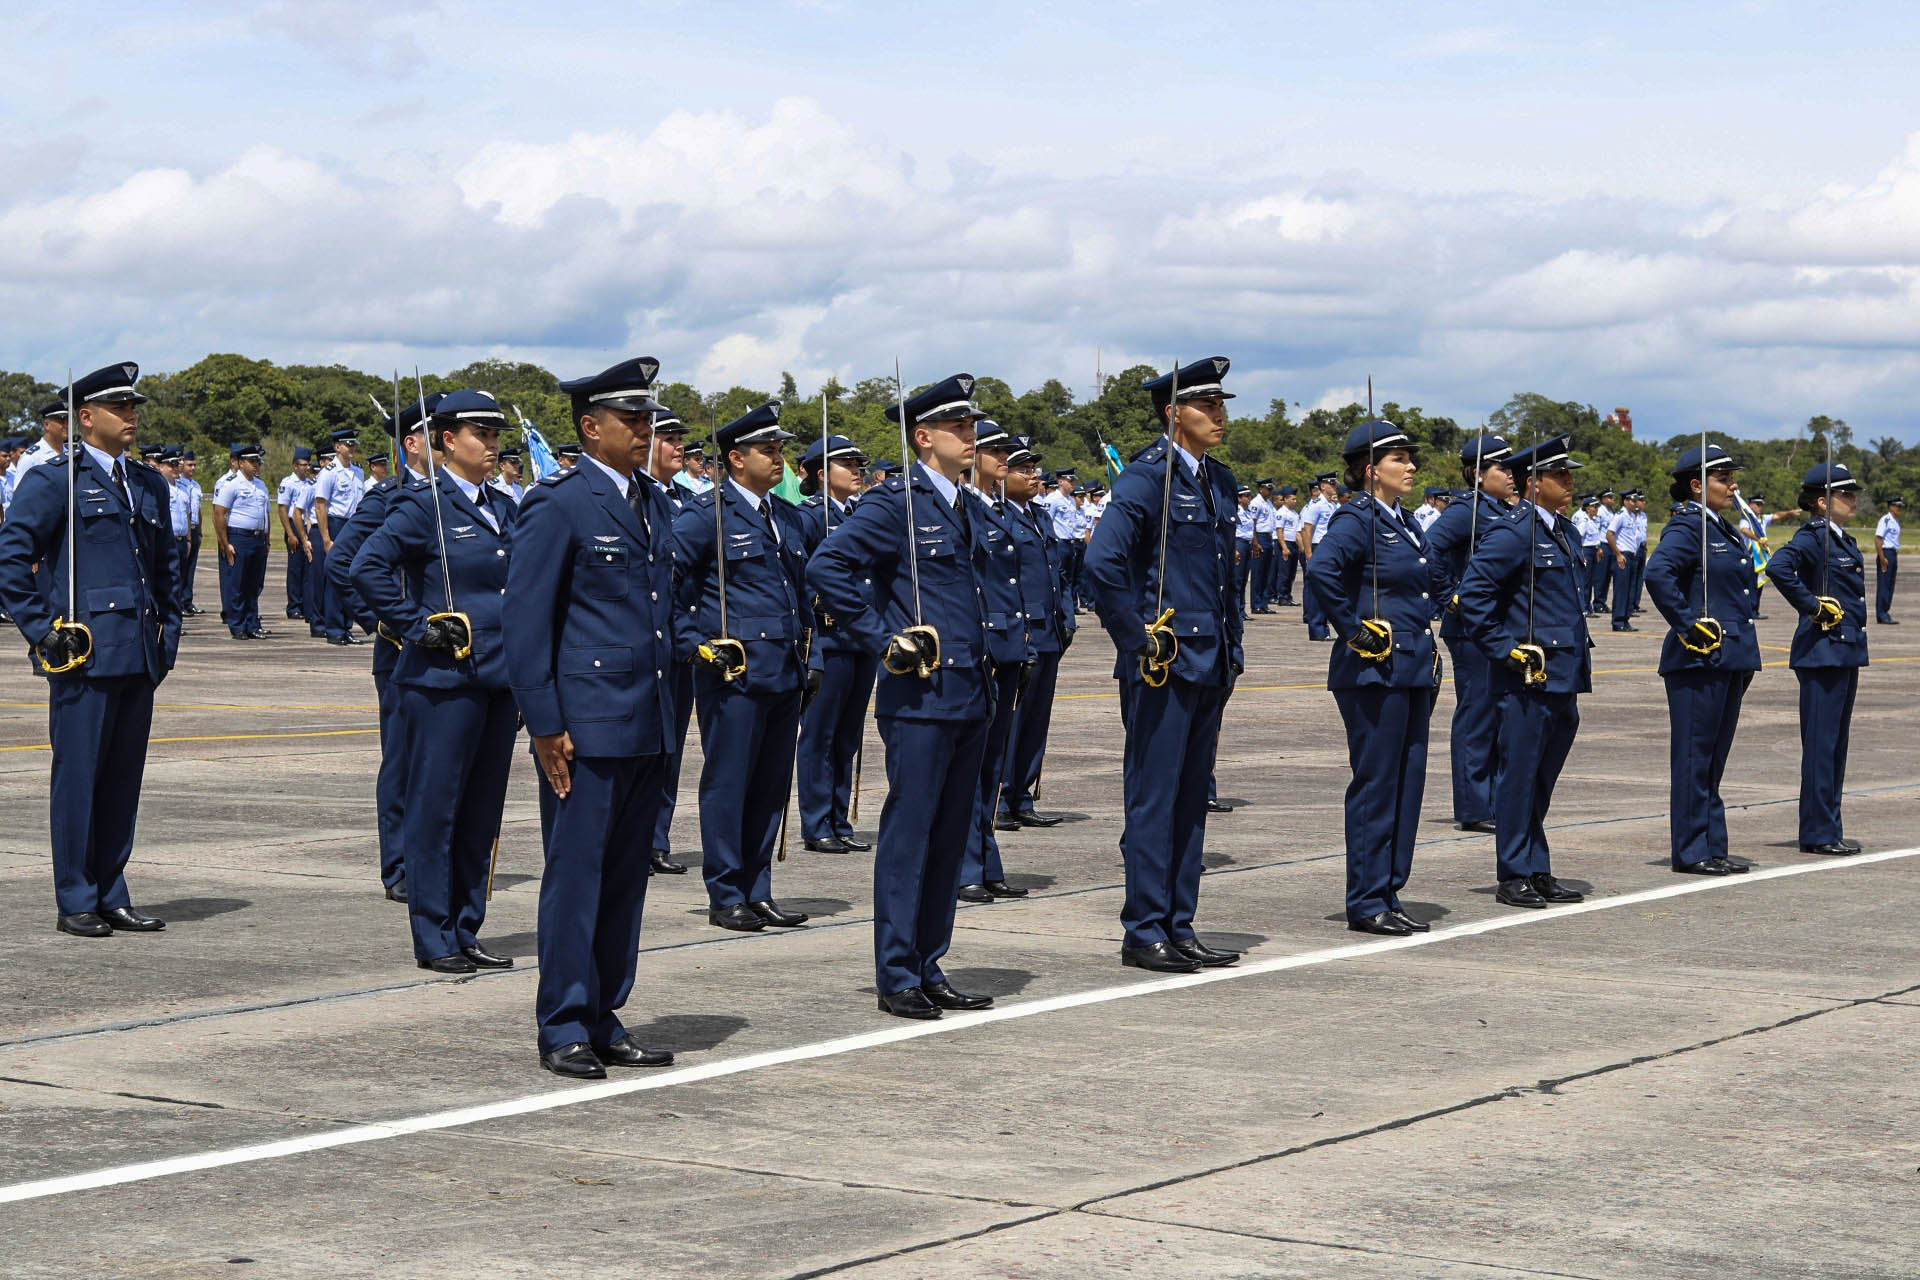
789 389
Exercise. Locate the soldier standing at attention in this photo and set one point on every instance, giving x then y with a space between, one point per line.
1246 549
194 498
1823 576
1286 539
1520 603
1626 541
748 718
668 460
1710 655
590 641
336 494
1474 743
841 670
240 513
508 479
906 586
1266 524
99 687
293 527
1886 535
1050 628
1314 519
1175 668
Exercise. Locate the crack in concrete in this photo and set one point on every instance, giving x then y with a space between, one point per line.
119 1093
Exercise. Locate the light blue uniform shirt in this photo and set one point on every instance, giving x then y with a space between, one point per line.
247 502
180 503
342 488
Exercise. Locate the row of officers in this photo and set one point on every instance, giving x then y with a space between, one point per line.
608 606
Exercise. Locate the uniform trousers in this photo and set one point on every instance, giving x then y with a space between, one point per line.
1826 718
1599 577
1474 747
193 563
1027 750
182 553
245 578
1284 568
831 729
1263 575
1317 628
592 892
1624 588
459 752
99 730
933 771
1387 751
317 593
1883 585
1536 735
390 784
748 740
1703 710
296 580
1166 771
1245 579
1638 561
682 677
981 861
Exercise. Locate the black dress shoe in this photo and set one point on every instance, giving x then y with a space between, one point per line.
1006 822
775 914
575 1061
1386 924
1194 949
911 1003
1161 957
626 1052
449 964
258 633
1214 806
832 844
1887 622
132 921
1851 846
1001 889
739 917
84 924
341 640
1708 867
1624 626
943 995
974 893
1417 926
485 959
1519 893
294 615
1028 818
1833 848
1484 826
854 842
354 637
397 891
664 864
1552 890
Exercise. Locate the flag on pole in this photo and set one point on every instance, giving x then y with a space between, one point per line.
789 486
539 453
1114 465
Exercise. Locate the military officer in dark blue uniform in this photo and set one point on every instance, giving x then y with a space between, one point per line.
997 568
1372 578
667 456
390 785
841 669
1823 576
458 713
1175 669
748 718
125 594
1474 743
1522 603
1709 656
906 586
590 641
1050 630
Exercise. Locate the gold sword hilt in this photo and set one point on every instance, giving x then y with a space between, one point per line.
1155 670
78 658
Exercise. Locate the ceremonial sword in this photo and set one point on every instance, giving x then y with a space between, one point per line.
1705 623
926 660
71 623
1827 614
728 654
1155 668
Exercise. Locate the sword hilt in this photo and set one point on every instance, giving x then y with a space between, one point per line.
76 656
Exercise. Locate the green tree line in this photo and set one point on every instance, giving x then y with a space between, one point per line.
226 398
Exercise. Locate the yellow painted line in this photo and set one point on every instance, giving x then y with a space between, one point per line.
223 737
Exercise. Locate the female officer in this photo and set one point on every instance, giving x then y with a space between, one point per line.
1823 576
1709 656
841 671
457 711
1370 578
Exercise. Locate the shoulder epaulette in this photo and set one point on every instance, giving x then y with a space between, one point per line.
563 474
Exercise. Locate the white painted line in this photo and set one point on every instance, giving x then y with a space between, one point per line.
553 1099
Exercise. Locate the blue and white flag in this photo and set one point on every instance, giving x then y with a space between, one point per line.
539 453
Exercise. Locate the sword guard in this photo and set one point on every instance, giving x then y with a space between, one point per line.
915 651
1532 660
79 654
1704 636
1374 639
380 629
462 628
1157 665
1827 613
725 655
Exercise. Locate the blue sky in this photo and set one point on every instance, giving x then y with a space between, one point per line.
1708 213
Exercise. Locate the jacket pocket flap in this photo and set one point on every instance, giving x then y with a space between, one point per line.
610 660
112 599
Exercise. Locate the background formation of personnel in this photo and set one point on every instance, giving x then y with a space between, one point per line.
645 583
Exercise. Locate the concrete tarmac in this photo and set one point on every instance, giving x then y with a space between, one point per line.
1714 1082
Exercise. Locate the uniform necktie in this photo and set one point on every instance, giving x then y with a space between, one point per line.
960 516
766 514
636 499
120 482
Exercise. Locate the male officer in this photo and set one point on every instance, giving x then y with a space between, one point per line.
748 719
1313 526
240 512
390 784
693 473
662 468
1066 527
589 641
194 498
336 494
1175 670
53 435
879 473
1286 536
100 707
1602 565
377 468
508 479
1626 542
996 556
923 615
179 521
567 455
1427 512
294 486
1886 536
841 669
1451 541
1519 601
1246 548
1266 523
1593 552
1050 630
